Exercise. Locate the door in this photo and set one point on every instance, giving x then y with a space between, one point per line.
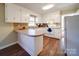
72 35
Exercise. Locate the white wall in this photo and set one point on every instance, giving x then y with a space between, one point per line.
68 11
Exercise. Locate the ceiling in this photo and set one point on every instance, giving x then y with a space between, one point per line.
37 7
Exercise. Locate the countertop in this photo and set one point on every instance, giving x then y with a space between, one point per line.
34 32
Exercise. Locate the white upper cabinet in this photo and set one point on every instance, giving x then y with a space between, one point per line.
15 13
24 15
12 13
40 20
53 17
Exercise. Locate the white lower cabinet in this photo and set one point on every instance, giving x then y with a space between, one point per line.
33 45
56 33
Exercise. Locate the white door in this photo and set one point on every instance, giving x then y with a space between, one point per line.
72 34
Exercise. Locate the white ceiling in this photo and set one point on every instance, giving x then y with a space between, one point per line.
37 7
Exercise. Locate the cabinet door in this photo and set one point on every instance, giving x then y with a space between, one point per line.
18 14
57 33
57 18
24 15
9 12
12 13
27 42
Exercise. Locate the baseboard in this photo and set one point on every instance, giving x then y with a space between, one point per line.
8 45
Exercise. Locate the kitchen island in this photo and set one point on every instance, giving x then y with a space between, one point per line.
31 40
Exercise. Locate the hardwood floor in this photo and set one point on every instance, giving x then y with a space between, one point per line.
14 50
51 48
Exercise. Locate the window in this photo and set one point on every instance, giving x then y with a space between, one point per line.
32 21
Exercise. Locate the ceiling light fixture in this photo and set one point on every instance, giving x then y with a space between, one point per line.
48 7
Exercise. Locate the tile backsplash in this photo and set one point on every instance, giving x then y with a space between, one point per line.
42 25
20 26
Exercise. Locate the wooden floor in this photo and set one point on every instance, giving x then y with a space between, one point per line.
14 50
51 48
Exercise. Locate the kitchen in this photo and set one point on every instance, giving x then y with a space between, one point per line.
35 30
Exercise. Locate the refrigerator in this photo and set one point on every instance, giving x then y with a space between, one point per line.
70 34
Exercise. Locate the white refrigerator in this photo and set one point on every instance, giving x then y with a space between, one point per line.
70 34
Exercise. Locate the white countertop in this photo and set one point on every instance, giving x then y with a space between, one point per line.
39 31
32 31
